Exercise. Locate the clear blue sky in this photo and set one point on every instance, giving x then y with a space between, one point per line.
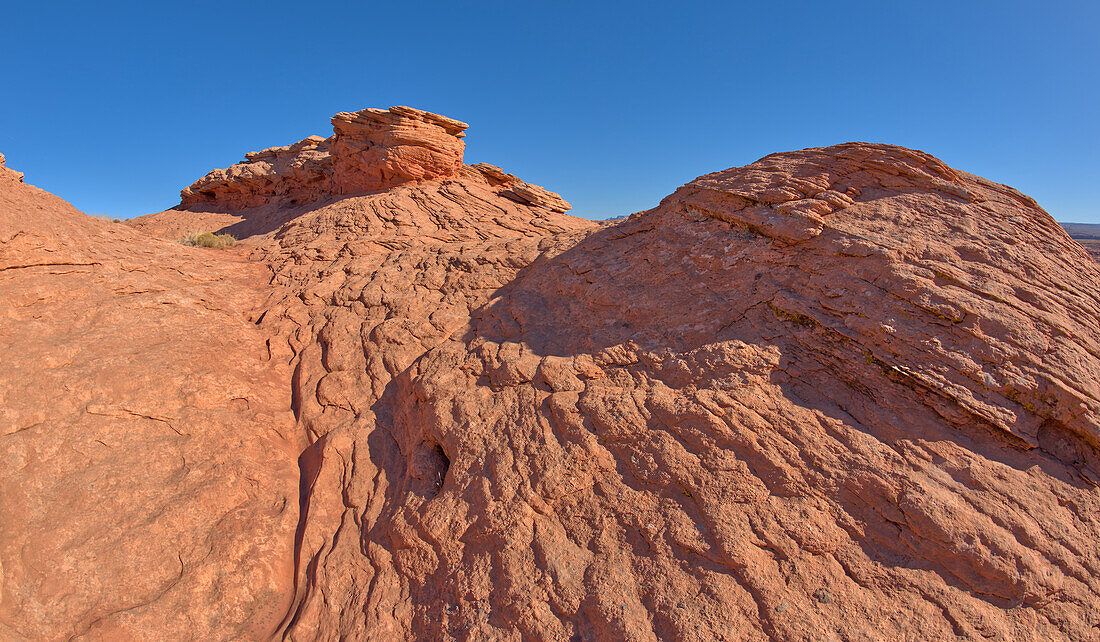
116 106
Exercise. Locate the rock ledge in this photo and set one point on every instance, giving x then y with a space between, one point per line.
370 150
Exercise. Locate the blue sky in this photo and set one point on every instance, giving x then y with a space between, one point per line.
116 106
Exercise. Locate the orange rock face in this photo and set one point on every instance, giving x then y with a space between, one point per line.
149 486
371 150
8 173
845 392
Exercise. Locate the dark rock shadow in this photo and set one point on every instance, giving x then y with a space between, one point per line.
606 292
629 283
264 219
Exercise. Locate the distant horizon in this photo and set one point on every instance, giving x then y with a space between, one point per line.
468 162
1095 226
612 106
1095 223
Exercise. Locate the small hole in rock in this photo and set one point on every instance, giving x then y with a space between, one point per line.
428 465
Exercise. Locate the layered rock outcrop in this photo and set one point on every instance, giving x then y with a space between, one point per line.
816 394
522 192
845 392
370 150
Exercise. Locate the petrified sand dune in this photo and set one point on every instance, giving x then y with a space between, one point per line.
148 486
840 393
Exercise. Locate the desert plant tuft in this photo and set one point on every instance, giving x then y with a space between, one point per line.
209 239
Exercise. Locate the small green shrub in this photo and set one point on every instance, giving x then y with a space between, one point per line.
209 239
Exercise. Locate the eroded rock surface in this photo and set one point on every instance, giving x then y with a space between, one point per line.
370 150
522 192
7 173
149 486
846 392
730 427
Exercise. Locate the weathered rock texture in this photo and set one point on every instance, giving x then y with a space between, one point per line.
370 150
841 393
520 191
148 486
9 174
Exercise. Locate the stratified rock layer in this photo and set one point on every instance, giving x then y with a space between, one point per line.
843 393
522 192
370 150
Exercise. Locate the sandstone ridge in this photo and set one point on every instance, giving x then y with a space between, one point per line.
370 150
844 392
373 153
150 482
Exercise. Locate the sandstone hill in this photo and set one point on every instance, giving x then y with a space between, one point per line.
841 393
149 484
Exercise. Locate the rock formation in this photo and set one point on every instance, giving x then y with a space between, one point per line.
370 150
149 486
845 392
9 173
522 192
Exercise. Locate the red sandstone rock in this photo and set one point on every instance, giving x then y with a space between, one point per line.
371 150
375 149
299 171
522 192
149 487
815 395
9 173
845 393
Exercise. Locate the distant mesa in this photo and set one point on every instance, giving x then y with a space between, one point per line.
1083 230
1087 234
